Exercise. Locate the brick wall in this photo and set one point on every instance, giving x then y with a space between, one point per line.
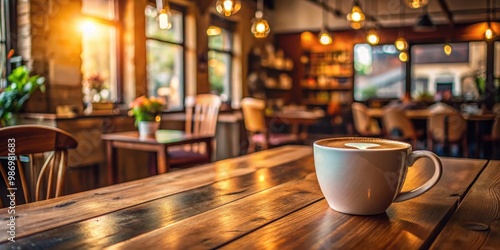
50 43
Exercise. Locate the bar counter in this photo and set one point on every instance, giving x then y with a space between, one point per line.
268 199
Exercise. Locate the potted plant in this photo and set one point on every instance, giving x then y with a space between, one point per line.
14 96
147 114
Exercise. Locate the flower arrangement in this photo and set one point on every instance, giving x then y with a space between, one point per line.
146 109
96 82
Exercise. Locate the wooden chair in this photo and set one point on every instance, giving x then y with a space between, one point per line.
398 127
45 180
363 123
202 112
446 129
259 136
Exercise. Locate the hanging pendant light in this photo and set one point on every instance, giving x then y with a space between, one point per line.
403 56
488 33
372 37
356 16
447 49
164 15
324 36
260 27
416 4
228 7
400 42
424 22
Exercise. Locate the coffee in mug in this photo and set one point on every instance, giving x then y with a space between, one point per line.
363 176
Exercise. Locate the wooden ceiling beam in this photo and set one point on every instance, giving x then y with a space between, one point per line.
446 11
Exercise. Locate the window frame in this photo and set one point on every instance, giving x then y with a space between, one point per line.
230 26
183 11
9 27
118 26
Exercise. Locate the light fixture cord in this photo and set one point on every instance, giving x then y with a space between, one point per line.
260 5
488 7
159 5
402 15
324 15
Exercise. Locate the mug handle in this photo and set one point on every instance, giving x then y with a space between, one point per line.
415 155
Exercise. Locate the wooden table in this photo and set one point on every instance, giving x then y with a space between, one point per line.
157 145
298 119
268 199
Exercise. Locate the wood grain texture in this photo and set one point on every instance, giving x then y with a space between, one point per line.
410 224
46 215
102 231
476 224
268 199
222 224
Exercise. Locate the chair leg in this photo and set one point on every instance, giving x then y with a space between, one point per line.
465 148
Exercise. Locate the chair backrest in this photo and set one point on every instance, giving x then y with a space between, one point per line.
202 112
34 141
394 119
253 114
363 123
447 127
495 129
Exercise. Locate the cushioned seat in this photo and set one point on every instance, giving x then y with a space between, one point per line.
258 132
202 112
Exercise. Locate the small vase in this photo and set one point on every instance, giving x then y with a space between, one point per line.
147 129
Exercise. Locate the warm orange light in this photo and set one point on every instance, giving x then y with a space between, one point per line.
403 56
415 4
401 44
88 27
488 34
356 25
214 31
356 14
164 19
260 27
447 49
228 7
372 37
325 38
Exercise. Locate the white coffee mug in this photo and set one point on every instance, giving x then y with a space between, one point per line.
363 176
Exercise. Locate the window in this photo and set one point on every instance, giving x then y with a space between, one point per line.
462 73
3 45
99 51
8 30
378 72
220 55
165 58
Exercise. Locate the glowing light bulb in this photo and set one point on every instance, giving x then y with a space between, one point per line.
415 4
372 37
488 34
401 44
260 27
447 49
164 19
403 56
356 14
228 7
325 38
